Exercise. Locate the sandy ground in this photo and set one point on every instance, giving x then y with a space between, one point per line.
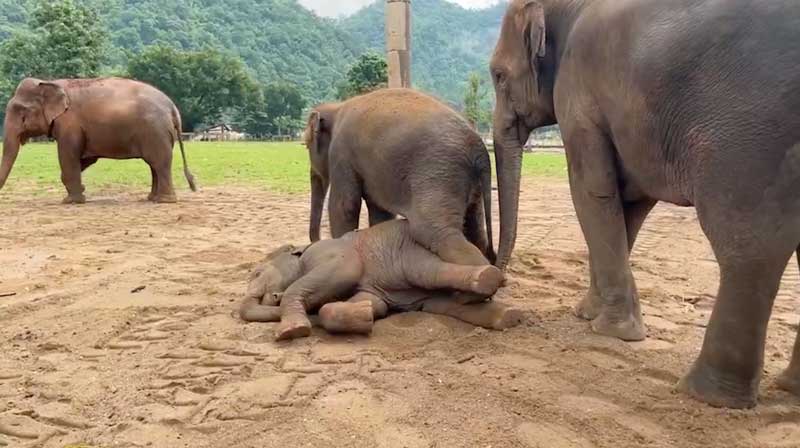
84 359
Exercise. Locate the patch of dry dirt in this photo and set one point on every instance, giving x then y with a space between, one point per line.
84 359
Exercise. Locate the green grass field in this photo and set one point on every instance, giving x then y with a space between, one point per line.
281 167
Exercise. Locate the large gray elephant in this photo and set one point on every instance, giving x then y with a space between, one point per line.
406 154
696 103
96 118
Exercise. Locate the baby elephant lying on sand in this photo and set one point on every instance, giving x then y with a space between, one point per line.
374 271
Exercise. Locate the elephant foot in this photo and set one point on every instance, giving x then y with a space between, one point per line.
74 199
347 317
790 382
627 327
487 280
590 307
165 199
506 317
706 385
293 328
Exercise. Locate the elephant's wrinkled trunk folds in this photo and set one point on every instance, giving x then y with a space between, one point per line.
11 145
508 154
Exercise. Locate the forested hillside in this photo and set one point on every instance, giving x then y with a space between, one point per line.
282 42
448 42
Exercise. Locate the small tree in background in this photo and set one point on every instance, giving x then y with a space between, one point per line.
63 40
370 72
476 110
204 84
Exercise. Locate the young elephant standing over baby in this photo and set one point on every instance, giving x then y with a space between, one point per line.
376 270
408 154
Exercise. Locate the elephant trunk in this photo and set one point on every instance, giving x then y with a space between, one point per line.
319 188
11 145
508 154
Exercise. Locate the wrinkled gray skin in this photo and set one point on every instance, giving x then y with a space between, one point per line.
696 103
92 119
404 153
381 265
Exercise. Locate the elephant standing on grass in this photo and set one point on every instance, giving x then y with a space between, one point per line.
90 119
404 153
691 102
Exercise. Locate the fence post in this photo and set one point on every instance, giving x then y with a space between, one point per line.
398 42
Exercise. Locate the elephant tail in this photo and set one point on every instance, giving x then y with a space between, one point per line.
485 173
176 118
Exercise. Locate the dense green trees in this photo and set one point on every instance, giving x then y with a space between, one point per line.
477 108
368 73
204 84
279 42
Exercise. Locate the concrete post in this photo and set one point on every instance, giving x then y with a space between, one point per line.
398 42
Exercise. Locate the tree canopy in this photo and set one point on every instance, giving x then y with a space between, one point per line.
204 84
272 42
368 73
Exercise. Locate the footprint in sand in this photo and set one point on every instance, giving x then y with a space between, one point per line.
608 360
779 435
352 407
549 435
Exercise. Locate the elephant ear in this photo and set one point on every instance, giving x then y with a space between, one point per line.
54 100
535 28
312 131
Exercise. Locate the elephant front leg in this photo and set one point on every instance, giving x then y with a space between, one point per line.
326 283
635 214
69 158
598 203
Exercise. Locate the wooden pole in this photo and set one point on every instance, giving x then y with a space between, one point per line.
398 42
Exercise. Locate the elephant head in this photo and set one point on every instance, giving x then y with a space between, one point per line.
318 136
523 74
31 112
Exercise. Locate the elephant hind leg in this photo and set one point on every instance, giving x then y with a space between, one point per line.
491 315
154 185
790 378
475 229
425 270
160 162
356 316
728 370
440 229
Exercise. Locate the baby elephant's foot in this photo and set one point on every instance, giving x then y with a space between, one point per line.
347 317
74 199
487 280
293 327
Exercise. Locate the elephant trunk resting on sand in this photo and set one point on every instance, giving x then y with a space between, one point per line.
375 271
